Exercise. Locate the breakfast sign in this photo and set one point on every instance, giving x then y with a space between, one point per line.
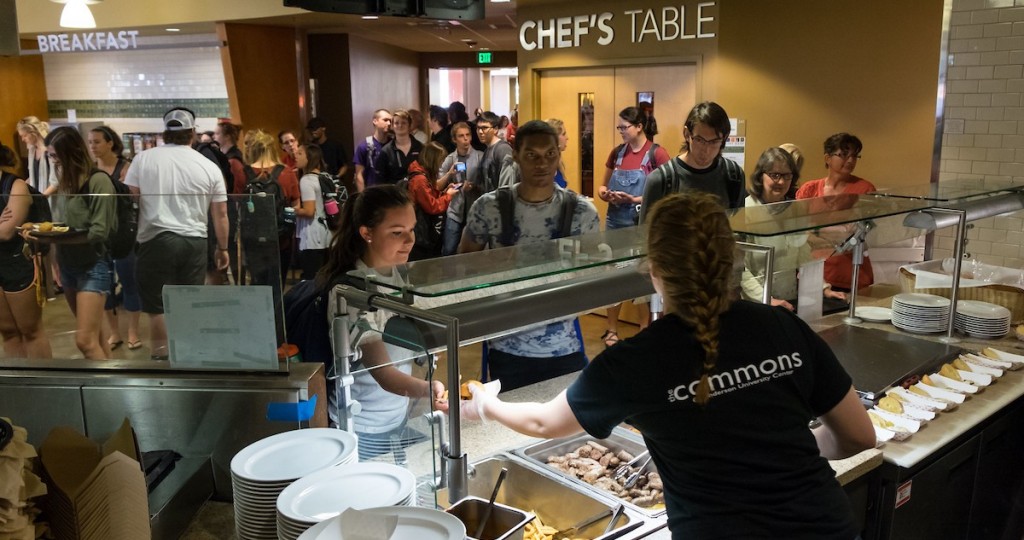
669 23
88 41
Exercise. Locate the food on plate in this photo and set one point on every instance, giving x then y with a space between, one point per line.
464 392
45 226
596 464
961 365
947 370
917 390
928 380
537 530
885 424
27 226
890 404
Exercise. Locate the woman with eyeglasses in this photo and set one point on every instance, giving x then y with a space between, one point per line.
700 165
842 152
721 390
625 176
774 180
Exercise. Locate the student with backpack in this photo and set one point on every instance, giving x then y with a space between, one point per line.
21 313
311 229
267 214
531 211
376 232
227 135
625 176
106 147
85 261
368 153
431 202
701 165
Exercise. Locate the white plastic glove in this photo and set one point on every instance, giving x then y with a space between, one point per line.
473 409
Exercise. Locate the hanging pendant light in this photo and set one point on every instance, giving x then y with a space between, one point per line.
76 13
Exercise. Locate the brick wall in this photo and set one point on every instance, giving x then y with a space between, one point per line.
983 137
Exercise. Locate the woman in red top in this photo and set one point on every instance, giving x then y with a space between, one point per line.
842 152
431 203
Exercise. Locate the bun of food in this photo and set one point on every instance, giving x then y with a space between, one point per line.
890 404
928 380
27 226
919 391
961 365
948 370
464 392
45 226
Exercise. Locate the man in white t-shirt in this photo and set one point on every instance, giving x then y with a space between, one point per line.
540 212
178 188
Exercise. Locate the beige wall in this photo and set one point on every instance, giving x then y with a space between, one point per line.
796 71
43 16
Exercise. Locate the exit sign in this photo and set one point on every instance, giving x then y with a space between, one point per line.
483 57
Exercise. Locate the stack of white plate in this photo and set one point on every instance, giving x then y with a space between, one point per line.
920 313
262 470
981 319
413 524
322 495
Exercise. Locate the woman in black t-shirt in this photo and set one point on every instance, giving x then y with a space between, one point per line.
721 390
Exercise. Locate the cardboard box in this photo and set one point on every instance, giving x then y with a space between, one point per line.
96 491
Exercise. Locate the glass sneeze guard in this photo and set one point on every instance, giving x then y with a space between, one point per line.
507 265
810 214
953 190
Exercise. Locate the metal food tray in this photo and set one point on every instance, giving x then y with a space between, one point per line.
620 439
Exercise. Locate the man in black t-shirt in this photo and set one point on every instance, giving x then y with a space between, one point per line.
334 154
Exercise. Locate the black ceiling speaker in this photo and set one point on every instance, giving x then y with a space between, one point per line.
9 45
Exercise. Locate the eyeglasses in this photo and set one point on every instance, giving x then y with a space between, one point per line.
780 176
624 128
705 142
844 156
483 128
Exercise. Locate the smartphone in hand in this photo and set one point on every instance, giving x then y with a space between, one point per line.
460 167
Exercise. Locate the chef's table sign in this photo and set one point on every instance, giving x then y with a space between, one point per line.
221 327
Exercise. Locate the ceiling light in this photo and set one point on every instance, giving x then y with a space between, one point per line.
173 29
370 17
500 1
76 13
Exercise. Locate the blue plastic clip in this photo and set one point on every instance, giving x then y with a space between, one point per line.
291 412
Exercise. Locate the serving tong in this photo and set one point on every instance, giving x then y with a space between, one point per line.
633 478
624 470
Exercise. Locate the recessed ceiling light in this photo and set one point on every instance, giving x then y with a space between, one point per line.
465 40
173 29
500 1
370 17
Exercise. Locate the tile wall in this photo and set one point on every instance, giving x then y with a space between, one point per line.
130 90
983 137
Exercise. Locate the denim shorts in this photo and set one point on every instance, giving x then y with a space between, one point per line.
97 279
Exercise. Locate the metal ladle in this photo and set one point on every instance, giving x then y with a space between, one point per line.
490 504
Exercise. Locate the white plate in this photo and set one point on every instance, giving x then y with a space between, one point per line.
984 310
325 494
874 314
294 454
921 300
413 524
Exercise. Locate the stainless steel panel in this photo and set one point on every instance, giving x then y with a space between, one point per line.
621 439
41 408
192 422
556 502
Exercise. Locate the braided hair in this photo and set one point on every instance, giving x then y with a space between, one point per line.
690 249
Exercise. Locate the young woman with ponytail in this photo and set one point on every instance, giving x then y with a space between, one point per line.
377 232
722 391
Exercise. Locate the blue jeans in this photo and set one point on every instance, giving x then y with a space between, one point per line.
97 279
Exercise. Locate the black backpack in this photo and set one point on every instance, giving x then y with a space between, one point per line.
735 187
506 200
266 198
213 153
122 237
38 212
305 321
331 189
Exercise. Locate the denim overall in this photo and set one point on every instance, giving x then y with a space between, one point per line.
626 181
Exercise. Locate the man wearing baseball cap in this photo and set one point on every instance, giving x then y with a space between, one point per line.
178 188
334 154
